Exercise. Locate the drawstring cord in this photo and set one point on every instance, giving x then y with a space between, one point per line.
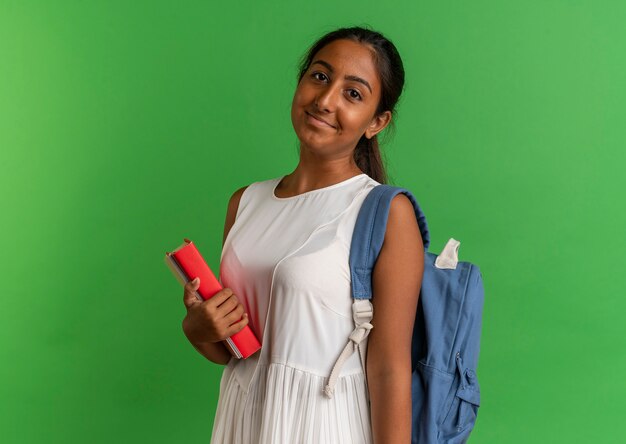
362 313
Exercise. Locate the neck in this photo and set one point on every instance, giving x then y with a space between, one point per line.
311 177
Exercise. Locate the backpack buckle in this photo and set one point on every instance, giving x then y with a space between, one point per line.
362 311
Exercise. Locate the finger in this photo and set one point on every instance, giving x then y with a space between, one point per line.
218 298
227 306
235 315
190 297
222 311
237 326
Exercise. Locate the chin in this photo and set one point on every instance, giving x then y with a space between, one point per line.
312 142
313 137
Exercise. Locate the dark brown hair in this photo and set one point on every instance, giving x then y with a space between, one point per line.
391 71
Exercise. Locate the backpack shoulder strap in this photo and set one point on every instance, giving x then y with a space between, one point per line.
369 234
367 240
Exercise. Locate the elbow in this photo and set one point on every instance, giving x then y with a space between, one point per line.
389 370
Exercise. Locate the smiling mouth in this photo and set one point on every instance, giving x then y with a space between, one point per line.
317 119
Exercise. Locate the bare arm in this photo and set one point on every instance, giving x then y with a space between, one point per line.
205 338
396 281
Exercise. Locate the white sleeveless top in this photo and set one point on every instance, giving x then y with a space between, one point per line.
286 259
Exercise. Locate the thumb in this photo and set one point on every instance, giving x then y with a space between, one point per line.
190 296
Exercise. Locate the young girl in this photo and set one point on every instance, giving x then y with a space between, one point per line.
284 267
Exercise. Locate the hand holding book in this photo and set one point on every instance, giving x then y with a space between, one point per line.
215 319
214 313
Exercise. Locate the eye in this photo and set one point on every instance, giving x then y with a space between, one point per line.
316 73
357 95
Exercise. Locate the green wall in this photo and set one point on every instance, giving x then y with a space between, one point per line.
125 126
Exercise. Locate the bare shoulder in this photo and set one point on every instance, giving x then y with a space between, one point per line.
402 252
231 212
233 203
403 247
402 222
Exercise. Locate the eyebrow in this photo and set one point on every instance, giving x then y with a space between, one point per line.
354 78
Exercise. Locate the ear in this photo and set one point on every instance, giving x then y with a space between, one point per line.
378 124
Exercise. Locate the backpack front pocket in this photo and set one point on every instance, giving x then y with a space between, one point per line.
461 415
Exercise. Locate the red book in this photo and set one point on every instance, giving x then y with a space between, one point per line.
187 263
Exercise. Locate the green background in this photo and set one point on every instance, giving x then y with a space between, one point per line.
126 126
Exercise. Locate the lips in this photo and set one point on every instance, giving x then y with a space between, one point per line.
320 119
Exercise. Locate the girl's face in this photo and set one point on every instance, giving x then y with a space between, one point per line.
335 101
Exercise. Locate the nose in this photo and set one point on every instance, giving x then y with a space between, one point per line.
327 97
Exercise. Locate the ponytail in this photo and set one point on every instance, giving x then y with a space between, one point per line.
368 159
